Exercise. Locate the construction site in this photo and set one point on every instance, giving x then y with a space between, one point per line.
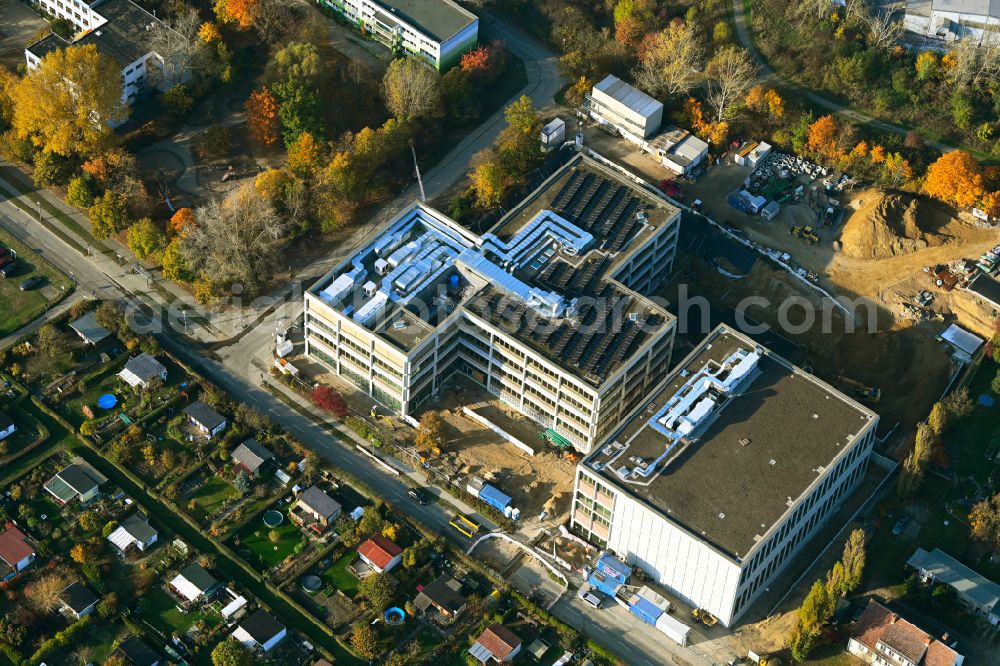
478 429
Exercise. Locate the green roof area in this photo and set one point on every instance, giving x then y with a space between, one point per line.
441 19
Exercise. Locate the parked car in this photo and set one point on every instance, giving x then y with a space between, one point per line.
900 525
8 268
587 594
30 282
418 495
4 251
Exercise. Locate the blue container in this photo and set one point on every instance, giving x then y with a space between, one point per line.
495 498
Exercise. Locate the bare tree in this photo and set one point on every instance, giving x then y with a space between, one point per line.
671 60
236 239
411 89
884 29
977 61
176 41
730 75
44 593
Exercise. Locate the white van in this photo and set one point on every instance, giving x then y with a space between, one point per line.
588 595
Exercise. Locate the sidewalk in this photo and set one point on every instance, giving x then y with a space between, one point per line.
347 435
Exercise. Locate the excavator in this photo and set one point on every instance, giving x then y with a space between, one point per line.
805 233
864 393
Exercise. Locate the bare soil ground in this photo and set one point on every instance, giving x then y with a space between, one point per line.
536 483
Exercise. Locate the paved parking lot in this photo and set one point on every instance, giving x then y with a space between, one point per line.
18 25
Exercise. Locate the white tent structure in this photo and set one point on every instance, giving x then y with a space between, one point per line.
962 340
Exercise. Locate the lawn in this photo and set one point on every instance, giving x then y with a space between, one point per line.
161 612
260 551
339 577
17 307
968 440
211 496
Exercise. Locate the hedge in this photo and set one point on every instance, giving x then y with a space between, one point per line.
60 640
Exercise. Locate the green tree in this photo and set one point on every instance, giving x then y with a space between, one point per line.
145 238
231 652
108 215
51 169
174 265
50 341
299 109
108 528
377 590
89 521
411 89
242 483
177 101
297 61
79 192
995 384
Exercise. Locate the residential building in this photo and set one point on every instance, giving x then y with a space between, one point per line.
950 20
315 509
438 31
208 421
16 553
633 113
250 456
883 638
7 426
260 630
678 150
193 583
120 30
135 652
380 553
89 330
724 473
78 481
548 310
141 370
133 532
497 644
441 598
977 593
77 600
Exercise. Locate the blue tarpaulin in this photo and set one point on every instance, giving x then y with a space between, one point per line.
494 497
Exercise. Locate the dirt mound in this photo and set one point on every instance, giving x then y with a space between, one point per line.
889 225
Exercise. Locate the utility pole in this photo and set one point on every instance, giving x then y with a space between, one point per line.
420 181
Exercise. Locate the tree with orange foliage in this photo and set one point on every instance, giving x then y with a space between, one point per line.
714 133
823 138
476 60
990 204
860 151
955 178
755 99
877 154
262 117
241 12
181 222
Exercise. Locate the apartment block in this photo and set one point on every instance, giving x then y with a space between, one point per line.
548 310
118 29
439 31
724 473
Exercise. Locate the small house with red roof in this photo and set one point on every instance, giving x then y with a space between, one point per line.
380 553
16 553
497 644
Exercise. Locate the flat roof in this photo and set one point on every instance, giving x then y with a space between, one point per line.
628 95
727 469
125 36
440 19
986 288
944 568
545 273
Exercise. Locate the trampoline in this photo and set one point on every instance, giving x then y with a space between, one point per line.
273 518
107 401
986 400
394 616
312 584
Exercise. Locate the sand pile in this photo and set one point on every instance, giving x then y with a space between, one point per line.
889 225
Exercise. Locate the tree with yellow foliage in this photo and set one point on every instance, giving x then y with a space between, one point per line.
985 521
209 33
955 178
926 65
56 104
305 155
